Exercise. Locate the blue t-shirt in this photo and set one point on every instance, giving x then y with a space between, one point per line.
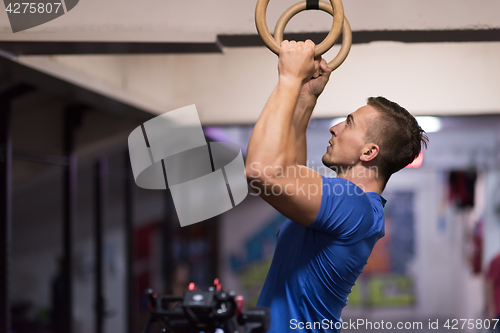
315 267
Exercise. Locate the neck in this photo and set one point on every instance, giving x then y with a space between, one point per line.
364 177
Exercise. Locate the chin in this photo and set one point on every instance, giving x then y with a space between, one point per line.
326 161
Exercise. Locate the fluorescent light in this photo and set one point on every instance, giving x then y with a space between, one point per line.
429 124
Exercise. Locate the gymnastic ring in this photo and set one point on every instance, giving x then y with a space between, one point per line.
326 7
273 45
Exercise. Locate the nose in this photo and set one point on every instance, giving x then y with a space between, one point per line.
334 129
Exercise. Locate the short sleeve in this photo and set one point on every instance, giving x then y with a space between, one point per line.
345 210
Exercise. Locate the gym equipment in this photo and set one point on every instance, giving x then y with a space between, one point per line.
209 311
335 8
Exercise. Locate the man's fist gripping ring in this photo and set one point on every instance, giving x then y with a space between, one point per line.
335 8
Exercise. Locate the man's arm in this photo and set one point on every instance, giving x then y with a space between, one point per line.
271 165
304 108
301 116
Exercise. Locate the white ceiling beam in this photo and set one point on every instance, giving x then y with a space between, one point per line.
202 21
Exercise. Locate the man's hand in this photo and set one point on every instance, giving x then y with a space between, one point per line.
308 95
296 62
314 87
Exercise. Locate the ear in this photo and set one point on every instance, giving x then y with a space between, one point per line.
370 151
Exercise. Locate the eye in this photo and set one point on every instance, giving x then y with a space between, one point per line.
347 122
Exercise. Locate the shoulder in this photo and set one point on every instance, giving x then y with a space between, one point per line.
345 192
345 209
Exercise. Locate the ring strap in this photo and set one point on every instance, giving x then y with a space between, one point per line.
312 4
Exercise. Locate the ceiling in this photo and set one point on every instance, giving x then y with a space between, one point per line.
202 21
225 75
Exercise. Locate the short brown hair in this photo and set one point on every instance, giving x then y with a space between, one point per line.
398 135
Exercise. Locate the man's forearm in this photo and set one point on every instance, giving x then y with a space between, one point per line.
273 137
301 117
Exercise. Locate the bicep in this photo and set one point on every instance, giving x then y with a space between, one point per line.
295 193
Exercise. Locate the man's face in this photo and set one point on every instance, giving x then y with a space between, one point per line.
348 139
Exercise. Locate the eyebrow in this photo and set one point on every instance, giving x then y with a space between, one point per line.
350 118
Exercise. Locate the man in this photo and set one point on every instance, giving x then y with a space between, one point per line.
336 221
493 291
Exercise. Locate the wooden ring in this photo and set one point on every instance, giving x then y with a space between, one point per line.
336 9
326 7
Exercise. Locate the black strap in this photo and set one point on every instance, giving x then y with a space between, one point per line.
312 4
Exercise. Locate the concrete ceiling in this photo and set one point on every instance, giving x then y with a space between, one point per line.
456 78
202 21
